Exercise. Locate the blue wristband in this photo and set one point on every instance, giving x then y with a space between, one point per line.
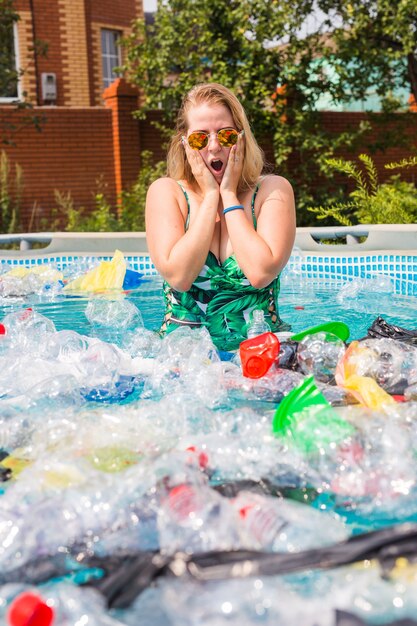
233 208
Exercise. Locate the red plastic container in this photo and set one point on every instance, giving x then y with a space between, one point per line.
258 354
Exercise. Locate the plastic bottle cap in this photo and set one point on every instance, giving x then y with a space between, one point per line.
2 329
256 367
29 609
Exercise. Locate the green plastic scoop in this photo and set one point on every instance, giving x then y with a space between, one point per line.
340 329
305 416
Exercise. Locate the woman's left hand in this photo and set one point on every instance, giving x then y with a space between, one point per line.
234 167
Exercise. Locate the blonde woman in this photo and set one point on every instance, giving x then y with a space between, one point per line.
219 231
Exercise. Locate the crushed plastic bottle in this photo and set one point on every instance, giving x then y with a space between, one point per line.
281 525
59 604
196 519
318 354
27 329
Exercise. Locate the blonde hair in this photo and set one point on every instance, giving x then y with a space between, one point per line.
214 93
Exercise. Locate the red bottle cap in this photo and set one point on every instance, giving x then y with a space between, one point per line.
2 329
182 501
258 354
29 609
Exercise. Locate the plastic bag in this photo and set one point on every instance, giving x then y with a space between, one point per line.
381 328
108 275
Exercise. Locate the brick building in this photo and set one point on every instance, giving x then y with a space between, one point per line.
86 133
81 38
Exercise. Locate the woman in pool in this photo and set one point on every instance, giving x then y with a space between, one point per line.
218 231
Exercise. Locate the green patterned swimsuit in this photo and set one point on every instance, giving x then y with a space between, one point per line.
221 299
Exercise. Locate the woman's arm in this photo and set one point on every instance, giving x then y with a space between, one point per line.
178 255
263 253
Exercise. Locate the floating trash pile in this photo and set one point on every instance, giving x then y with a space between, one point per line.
158 481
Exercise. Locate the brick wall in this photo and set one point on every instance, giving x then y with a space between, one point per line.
150 137
73 150
405 124
334 122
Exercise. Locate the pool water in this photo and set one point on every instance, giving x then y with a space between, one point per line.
303 305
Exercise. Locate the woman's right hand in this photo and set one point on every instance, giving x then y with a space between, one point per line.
201 172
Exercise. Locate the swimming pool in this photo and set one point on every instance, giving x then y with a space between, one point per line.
188 462
365 286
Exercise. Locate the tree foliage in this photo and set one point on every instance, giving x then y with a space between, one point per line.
270 54
10 76
381 36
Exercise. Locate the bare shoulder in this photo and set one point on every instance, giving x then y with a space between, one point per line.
164 185
273 182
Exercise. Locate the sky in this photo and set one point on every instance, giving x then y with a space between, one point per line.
149 5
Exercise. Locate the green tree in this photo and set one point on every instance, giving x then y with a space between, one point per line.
381 37
10 75
269 54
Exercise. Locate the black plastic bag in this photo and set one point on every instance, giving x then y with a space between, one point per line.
381 329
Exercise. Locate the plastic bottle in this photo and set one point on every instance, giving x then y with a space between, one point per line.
282 525
30 609
195 518
59 604
258 325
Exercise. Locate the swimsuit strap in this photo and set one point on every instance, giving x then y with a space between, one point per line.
252 206
187 221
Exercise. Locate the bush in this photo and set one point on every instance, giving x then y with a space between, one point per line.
10 195
129 215
393 202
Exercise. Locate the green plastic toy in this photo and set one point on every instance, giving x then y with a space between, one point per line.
308 419
340 329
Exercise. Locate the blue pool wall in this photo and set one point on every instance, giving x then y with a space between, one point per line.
402 269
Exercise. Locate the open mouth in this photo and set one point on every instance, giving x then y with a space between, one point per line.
217 165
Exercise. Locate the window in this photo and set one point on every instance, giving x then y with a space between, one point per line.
110 55
9 76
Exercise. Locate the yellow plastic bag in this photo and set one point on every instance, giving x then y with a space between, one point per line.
365 389
108 275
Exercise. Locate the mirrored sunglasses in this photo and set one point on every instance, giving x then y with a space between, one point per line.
227 137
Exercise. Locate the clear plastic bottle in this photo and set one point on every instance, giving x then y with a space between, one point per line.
56 605
258 325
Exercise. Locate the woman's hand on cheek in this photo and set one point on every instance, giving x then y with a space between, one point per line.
234 167
201 172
